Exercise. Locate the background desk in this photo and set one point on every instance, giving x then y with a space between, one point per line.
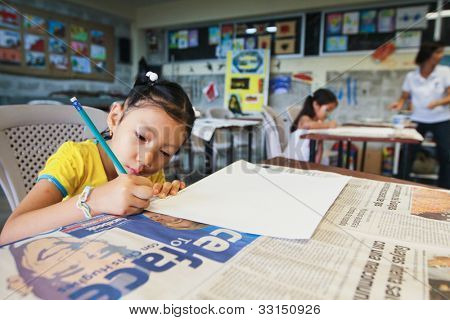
364 139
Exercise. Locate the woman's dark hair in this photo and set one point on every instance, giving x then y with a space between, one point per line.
170 96
426 51
321 96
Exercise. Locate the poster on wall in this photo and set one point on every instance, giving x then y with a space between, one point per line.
250 43
336 44
183 39
9 17
238 44
57 28
79 48
78 33
247 80
98 37
368 21
34 43
193 38
226 41
213 36
56 45
10 52
173 40
351 23
81 65
386 20
408 39
59 62
286 28
33 23
98 52
35 59
334 23
264 42
411 17
285 46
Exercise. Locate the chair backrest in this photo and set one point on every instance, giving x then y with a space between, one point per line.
272 139
48 102
293 111
282 125
220 113
29 134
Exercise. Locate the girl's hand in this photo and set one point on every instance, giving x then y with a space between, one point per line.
432 105
332 124
395 106
168 188
127 194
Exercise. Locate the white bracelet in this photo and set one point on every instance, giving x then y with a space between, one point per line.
81 202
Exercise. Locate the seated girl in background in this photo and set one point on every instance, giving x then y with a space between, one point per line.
144 133
313 115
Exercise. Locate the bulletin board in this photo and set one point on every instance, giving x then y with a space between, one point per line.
282 36
39 43
247 79
368 28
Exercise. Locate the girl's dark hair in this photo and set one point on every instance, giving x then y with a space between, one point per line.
170 96
426 51
321 96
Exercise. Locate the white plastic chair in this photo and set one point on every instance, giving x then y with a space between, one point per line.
276 131
29 134
43 102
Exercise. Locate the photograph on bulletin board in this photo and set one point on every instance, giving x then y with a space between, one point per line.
79 48
10 47
411 17
246 80
368 21
59 62
98 37
57 28
81 65
350 23
78 33
193 38
183 39
286 28
35 59
386 20
336 44
34 24
334 23
34 43
284 46
213 35
56 45
9 17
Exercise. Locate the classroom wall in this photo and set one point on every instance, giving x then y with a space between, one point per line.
177 12
28 86
328 71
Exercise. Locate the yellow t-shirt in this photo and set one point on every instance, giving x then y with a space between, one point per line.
76 165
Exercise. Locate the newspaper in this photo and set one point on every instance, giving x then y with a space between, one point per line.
378 241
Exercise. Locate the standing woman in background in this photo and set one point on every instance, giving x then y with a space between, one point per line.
428 87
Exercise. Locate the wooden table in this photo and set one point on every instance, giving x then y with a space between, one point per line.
364 139
284 162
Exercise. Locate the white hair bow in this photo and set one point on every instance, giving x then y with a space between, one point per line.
152 76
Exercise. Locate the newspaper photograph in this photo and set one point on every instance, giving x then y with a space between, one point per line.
147 256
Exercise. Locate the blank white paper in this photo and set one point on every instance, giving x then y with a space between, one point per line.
275 201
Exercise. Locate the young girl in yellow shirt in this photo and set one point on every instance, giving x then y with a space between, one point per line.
144 133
